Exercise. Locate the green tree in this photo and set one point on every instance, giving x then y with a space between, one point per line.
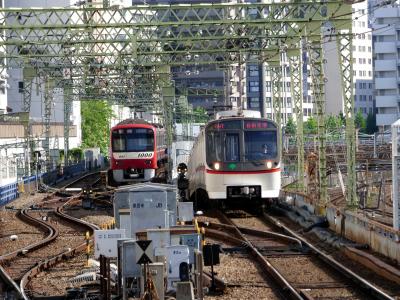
96 119
371 124
290 128
331 123
200 115
310 127
342 118
75 154
359 121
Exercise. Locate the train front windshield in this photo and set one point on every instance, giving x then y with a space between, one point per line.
260 145
234 141
132 140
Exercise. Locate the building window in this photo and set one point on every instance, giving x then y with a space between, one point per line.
370 98
370 85
289 101
253 71
369 61
369 49
254 102
369 73
268 86
268 101
254 86
20 87
355 97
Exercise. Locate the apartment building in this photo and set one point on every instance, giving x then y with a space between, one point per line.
362 65
386 36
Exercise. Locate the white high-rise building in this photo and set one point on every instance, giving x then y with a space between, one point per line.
386 36
3 77
362 60
362 65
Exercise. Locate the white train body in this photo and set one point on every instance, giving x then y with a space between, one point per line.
236 157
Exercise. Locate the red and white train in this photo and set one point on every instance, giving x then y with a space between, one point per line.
138 149
236 156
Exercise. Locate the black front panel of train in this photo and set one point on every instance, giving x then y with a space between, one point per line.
242 145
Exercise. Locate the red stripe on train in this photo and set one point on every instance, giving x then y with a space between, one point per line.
243 172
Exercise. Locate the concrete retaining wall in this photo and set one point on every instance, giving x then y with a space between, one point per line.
381 238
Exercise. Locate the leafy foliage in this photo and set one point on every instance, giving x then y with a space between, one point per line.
333 123
290 127
96 118
371 124
200 115
359 121
75 154
310 127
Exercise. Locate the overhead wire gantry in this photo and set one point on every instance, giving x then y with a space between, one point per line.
117 53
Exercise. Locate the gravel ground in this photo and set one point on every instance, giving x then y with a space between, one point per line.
69 236
55 280
9 225
242 271
301 269
253 223
26 200
241 293
97 217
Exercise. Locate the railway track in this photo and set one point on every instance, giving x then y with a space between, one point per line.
300 270
61 241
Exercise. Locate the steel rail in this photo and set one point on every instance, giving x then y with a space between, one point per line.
52 235
358 280
46 264
290 291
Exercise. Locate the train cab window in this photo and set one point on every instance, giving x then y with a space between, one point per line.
133 140
118 140
139 139
260 145
232 147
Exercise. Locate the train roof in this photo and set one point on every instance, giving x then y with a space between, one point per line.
138 122
237 113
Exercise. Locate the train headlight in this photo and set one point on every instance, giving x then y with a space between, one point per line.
269 164
217 166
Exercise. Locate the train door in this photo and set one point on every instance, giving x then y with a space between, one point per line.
231 153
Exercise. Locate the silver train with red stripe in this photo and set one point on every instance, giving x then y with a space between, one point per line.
236 156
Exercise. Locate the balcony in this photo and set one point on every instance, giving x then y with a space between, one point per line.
387 12
385 65
386 83
386 101
383 29
385 47
386 119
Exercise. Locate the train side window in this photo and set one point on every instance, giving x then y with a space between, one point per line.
232 152
214 147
